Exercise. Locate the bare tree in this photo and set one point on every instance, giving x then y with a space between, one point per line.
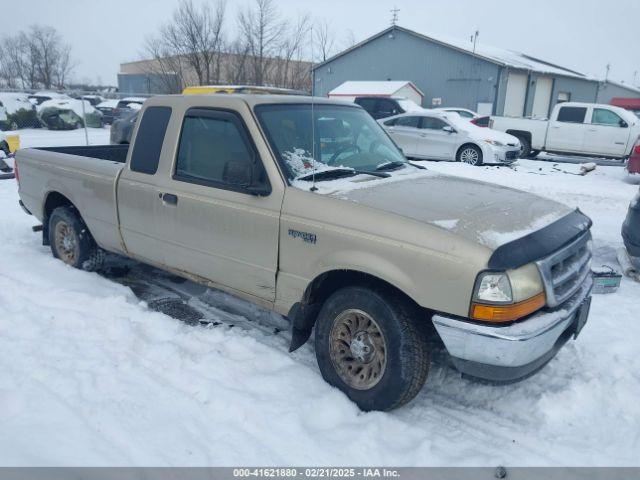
261 32
192 42
324 40
294 44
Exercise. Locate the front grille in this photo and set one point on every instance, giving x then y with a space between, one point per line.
564 272
511 155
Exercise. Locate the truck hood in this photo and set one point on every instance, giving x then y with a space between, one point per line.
484 213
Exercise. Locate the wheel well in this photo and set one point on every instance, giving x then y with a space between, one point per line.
303 314
520 134
4 146
53 201
468 144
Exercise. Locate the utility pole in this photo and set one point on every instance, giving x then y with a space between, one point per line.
394 16
474 39
606 77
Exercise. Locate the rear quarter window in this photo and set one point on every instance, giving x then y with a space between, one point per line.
149 139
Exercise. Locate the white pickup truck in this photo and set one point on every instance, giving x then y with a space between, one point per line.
309 209
585 129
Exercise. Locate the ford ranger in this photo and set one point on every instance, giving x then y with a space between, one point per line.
585 129
306 207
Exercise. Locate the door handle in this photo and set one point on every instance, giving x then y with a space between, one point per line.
169 198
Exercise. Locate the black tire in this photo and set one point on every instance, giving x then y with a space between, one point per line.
77 247
525 151
406 356
470 154
533 154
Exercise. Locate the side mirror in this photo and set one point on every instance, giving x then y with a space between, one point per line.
449 129
623 124
243 174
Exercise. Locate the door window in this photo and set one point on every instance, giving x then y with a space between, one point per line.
432 123
214 150
602 116
149 140
407 122
572 114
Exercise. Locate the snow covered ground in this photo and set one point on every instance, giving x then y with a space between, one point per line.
90 375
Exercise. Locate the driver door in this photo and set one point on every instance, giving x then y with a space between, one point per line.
434 142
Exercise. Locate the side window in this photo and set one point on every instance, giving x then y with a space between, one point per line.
149 140
407 122
390 123
602 116
214 150
432 123
572 114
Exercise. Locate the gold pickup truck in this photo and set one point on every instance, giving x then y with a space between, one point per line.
306 207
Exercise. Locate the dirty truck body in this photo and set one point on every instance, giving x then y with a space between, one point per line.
308 209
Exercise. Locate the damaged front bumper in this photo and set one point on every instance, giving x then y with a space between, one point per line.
513 352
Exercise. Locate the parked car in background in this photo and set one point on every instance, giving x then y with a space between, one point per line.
39 97
585 129
68 113
19 112
437 135
109 110
631 104
631 231
127 104
122 128
383 107
94 100
463 112
633 163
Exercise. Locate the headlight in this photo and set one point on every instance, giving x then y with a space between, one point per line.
494 288
494 142
507 296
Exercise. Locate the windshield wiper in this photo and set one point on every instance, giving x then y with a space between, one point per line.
393 165
339 173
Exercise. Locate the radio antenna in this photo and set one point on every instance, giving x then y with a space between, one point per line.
313 126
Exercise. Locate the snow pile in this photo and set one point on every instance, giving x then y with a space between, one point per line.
15 101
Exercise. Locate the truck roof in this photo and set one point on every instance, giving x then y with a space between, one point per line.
187 101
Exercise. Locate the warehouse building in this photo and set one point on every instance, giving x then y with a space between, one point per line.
451 73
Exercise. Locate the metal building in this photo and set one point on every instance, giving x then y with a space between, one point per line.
456 74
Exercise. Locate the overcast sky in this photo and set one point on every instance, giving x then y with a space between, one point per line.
581 34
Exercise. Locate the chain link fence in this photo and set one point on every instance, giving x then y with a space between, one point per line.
88 113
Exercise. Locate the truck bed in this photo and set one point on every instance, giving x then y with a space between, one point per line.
113 153
85 176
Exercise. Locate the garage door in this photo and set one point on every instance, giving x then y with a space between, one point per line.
516 95
542 97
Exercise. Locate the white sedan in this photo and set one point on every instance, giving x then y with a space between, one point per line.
433 135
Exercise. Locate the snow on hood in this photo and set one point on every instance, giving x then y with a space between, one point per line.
108 104
68 104
484 213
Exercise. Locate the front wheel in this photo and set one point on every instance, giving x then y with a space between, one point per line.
470 154
71 241
369 346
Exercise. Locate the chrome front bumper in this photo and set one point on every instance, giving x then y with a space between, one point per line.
509 353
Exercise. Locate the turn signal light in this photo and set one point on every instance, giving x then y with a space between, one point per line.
507 313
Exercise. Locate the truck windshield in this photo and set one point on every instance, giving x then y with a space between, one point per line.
345 137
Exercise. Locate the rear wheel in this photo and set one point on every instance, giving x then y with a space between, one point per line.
533 154
71 241
368 346
525 151
470 154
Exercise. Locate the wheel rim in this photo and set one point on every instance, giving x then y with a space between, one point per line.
358 349
470 156
66 243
